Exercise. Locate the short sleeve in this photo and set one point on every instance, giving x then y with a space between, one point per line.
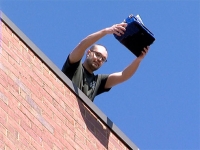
69 69
103 78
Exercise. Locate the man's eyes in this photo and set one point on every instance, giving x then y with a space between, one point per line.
99 55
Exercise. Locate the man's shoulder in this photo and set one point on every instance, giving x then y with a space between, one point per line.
102 76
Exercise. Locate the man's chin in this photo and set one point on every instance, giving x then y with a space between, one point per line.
95 67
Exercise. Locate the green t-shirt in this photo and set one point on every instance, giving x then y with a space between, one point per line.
90 84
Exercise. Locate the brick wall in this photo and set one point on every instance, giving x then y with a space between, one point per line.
38 111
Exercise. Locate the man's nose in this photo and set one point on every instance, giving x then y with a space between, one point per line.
99 59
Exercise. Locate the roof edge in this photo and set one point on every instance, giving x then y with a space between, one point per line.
68 82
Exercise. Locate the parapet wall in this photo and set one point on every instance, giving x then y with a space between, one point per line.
39 106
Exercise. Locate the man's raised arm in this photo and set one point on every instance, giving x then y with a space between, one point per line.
80 49
119 77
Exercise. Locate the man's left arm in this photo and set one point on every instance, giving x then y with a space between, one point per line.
119 77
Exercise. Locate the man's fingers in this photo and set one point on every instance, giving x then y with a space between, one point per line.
123 24
119 28
146 49
117 33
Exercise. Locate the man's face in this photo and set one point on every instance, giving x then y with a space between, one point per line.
97 57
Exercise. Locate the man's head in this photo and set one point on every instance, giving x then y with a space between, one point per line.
95 57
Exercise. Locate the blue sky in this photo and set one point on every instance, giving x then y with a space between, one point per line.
158 108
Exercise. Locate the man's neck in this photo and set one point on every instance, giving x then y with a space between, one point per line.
87 68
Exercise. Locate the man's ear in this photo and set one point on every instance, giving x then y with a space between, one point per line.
88 52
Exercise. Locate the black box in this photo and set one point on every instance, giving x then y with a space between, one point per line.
136 36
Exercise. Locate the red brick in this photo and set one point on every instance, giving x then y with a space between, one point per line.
53 95
48 138
113 141
62 143
50 109
24 142
5 41
37 63
66 89
12 134
33 104
68 132
33 87
31 53
13 86
25 66
80 138
14 68
23 46
13 57
3 130
45 71
71 143
15 45
60 96
14 40
58 121
3 80
8 143
3 54
4 60
69 107
122 145
90 145
73 96
33 135
99 145
41 107
4 106
3 116
26 55
52 76
2 145
113 136
3 96
7 30
27 116
13 113
70 123
59 86
45 145
90 136
80 112
17 127
36 144
36 76
46 124
80 126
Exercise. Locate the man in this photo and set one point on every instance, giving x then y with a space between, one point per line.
82 74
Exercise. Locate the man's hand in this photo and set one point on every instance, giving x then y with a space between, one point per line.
143 54
117 29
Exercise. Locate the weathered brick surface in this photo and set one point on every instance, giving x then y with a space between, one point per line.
38 111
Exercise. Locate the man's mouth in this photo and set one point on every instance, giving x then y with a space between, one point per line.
96 64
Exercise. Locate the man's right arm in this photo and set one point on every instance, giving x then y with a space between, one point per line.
80 49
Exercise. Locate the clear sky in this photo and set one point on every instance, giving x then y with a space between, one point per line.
159 107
